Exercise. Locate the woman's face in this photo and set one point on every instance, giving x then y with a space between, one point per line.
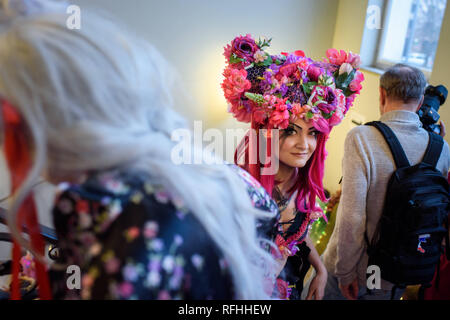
298 143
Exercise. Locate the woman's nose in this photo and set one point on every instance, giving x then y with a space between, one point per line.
302 141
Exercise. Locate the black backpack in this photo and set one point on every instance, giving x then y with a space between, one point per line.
406 245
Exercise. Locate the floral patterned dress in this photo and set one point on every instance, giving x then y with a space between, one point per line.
132 239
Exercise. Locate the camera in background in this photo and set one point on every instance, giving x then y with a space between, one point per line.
434 98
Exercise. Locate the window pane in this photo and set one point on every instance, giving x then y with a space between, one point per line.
412 32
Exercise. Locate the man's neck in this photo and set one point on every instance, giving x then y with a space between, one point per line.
400 106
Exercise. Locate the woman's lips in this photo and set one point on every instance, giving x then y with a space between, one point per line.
303 154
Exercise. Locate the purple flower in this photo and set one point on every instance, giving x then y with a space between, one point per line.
292 58
283 89
197 260
331 97
178 240
154 265
130 273
327 108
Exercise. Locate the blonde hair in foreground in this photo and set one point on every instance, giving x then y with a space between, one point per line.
99 98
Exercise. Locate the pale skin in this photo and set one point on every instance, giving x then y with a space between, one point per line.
297 145
387 104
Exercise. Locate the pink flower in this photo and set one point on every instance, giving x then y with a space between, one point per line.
336 57
235 84
354 59
321 125
126 289
314 72
151 229
355 85
283 289
296 110
339 113
112 265
164 295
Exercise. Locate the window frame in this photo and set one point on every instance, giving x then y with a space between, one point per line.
383 64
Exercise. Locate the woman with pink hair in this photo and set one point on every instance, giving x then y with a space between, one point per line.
292 102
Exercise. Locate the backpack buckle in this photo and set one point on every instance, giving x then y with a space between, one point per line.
422 239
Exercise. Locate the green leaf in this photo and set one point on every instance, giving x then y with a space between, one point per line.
256 97
308 87
234 59
267 62
344 80
328 115
309 115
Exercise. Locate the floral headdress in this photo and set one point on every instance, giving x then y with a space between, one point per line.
272 90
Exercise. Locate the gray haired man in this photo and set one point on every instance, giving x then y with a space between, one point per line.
367 166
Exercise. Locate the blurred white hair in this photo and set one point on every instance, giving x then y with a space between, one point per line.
100 98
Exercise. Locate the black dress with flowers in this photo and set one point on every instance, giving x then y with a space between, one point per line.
134 240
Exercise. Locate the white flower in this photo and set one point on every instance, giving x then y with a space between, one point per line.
197 260
168 264
345 68
259 56
153 279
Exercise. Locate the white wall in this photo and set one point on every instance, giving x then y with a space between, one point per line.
192 34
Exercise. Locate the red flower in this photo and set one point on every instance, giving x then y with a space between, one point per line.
280 116
240 112
235 84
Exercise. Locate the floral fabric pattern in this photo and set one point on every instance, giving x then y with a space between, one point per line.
135 240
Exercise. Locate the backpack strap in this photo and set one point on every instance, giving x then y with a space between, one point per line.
447 238
398 153
434 149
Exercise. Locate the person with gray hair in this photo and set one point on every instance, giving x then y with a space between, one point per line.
367 167
96 108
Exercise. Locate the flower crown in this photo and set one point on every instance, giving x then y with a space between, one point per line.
274 90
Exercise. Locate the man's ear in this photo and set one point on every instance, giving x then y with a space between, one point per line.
382 99
420 103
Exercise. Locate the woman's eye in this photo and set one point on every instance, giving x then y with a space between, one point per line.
290 131
313 133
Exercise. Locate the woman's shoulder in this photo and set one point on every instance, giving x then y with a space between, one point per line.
258 195
114 193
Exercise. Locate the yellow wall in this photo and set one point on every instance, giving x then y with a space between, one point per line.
348 35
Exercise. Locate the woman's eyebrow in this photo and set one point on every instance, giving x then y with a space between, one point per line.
297 126
311 128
